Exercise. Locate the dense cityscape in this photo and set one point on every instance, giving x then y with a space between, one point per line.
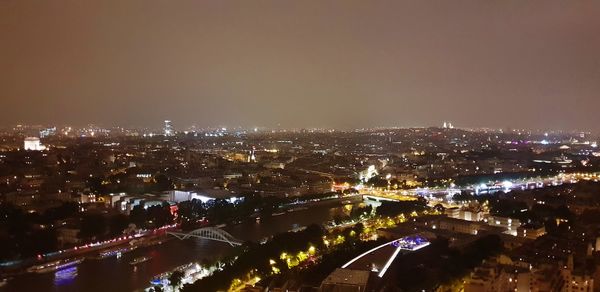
386 209
299 146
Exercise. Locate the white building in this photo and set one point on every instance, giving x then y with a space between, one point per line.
33 144
168 129
201 195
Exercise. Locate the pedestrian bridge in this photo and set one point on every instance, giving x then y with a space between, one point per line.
380 258
210 233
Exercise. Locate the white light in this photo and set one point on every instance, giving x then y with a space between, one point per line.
507 184
366 253
389 262
33 143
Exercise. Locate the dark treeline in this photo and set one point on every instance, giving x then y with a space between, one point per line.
220 211
355 214
253 256
402 207
24 234
257 258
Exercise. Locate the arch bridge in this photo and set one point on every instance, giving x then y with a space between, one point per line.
210 233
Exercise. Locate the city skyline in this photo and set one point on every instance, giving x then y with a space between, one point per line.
312 145
159 128
316 65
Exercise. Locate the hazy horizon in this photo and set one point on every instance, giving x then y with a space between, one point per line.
306 64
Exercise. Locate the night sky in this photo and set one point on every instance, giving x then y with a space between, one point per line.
344 64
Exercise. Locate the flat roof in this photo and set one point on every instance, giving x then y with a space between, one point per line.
348 277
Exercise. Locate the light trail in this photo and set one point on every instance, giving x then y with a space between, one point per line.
410 243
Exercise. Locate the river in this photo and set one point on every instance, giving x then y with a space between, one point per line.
118 275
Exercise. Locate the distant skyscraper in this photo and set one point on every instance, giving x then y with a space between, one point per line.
252 157
168 128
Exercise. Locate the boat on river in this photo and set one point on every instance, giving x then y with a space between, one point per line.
54 266
140 260
118 252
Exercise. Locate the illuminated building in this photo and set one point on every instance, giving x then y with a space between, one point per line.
448 125
368 173
47 132
252 156
168 130
33 144
531 231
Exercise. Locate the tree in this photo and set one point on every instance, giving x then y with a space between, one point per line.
463 196
40 241
138 216
160 215
359 228
175 278
95 184
378 181
163 183
118 224
66 210
92 226
220 211
508 208
439 208
402 207
359 211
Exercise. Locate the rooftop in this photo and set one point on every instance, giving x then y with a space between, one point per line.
347 277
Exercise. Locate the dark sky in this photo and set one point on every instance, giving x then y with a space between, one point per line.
533 64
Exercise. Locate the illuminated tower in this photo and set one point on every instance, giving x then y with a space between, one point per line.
168 128
252 157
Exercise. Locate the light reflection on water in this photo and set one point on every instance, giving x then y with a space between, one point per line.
65 276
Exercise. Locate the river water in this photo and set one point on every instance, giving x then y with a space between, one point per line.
118 275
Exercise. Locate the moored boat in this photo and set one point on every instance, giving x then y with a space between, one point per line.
54 266
140 260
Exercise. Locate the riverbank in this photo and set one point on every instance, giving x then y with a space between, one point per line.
88 251
148 238
351 199
92 275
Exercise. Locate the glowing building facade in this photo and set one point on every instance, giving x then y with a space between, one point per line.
168 130
33 144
